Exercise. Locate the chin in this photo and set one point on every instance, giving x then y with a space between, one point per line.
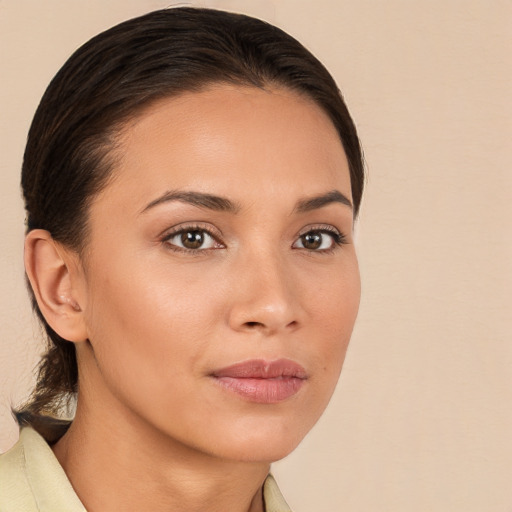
258 450
267 441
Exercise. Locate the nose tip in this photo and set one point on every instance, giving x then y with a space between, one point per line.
265 303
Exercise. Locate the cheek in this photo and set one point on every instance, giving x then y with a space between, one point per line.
335 310
149 334
335 301
147 322
153 318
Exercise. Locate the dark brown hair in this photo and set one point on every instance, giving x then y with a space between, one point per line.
108 81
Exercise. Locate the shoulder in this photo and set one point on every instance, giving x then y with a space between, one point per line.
32 480
15 492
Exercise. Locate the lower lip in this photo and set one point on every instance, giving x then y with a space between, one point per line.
264 390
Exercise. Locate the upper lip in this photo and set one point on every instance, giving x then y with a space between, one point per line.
261 369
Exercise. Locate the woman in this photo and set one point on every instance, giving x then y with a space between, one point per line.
191 180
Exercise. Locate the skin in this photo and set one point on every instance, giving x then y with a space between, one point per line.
151 322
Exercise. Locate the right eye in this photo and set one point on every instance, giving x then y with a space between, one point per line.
191 239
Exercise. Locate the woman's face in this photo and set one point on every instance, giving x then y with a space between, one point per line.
221 284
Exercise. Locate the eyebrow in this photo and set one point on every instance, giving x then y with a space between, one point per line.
222 204
200 199
315 202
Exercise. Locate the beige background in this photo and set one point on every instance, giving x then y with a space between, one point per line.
422 419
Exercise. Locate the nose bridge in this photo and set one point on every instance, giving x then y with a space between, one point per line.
265 298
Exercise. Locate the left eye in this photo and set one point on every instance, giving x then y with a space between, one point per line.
316 241
192 239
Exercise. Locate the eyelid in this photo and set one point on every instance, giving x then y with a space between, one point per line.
210 230
337 236
329 228
191 226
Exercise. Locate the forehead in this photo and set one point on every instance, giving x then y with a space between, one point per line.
235 141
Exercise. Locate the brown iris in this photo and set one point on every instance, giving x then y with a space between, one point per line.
311 241
192 239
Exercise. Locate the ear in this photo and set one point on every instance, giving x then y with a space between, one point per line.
56 278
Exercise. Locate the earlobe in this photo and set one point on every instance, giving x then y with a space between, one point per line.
53 275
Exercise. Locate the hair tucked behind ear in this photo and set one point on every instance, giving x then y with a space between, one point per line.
69 158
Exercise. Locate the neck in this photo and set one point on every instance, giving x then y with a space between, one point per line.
122 464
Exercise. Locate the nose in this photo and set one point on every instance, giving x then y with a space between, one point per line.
265 298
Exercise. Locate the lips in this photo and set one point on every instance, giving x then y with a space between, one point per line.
262 381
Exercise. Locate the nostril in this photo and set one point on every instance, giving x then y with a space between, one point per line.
256 325
252 325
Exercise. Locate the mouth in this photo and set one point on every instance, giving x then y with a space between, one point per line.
266 382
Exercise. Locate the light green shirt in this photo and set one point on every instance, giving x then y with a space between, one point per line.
32 480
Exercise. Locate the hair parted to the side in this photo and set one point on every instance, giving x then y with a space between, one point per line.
110 79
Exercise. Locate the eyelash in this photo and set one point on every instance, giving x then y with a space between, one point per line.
338 238
188 229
